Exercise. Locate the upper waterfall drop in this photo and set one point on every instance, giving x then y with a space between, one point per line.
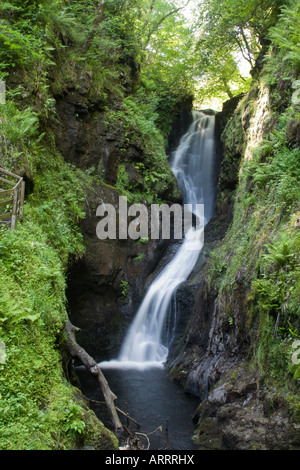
193 163
147 341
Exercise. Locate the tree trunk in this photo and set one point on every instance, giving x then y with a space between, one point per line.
94 369
227 88
98 18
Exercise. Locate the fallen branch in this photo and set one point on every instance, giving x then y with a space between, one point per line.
146 437
134 442
118 410
94 369
127 416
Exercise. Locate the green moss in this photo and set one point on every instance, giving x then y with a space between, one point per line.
39 408
154 180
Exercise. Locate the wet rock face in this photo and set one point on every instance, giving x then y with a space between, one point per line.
242 414
293 133
83 138
107 285
86 139
237 410
222 339
212 341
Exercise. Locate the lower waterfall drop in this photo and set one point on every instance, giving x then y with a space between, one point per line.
146 344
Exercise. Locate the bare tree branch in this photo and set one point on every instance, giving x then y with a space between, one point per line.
159 23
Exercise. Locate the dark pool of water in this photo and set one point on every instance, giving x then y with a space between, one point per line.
152 399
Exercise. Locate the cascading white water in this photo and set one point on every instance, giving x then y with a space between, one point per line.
193 163
193 166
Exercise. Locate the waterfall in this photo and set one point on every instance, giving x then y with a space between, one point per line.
193 163
149 336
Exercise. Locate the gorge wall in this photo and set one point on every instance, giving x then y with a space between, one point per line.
214 355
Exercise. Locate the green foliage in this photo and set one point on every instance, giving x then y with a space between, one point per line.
139 257
39 410
45 47
243 24
139 124
121 24
62 203
276 293
43 37
286 34
142 57
33 263
74 419
263 242
19 126
137 117
279 254
36 406
17 48
32 282
124 286
220 77
229 34
28 379
167 71
143 240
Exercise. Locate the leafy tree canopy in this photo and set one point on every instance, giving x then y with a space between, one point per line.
230 32
174 55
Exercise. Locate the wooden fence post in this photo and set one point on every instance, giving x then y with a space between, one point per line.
22 197
14 209
2 92
17 194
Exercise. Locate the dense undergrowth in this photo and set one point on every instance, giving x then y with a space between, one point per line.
39 409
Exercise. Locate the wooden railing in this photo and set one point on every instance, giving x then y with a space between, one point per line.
12 190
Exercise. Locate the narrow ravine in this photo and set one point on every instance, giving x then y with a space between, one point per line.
137 375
